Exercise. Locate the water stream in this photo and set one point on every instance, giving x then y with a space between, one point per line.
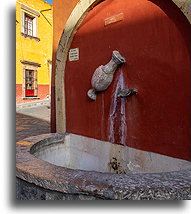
117 117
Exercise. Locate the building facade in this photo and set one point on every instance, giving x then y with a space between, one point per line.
34 29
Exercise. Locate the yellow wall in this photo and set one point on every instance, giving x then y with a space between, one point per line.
31 50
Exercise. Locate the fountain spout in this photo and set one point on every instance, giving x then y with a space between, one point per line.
103 75
127 93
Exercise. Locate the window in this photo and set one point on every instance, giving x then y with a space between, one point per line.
30 83
28 25
29 22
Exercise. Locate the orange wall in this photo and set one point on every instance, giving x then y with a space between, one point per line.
61 11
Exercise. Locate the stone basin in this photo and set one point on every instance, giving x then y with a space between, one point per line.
73 167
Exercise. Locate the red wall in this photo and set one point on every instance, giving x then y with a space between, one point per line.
43 91
154 39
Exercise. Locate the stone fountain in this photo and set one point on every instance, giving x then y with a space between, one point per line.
74 167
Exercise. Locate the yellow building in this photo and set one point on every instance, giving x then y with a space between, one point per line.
34 27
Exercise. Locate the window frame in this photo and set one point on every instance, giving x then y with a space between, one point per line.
31 67
27 21
31 79
33 15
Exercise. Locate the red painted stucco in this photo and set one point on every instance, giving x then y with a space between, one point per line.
154 39
43 91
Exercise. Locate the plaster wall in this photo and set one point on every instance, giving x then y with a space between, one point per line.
62 11
37 50
63 48
43 93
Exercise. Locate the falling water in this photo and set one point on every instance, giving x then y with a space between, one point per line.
117 116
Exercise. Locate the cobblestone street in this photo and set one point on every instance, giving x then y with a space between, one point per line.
32 121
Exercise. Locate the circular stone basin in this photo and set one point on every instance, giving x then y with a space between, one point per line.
73 167
78 152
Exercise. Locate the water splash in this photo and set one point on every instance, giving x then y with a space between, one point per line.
117 117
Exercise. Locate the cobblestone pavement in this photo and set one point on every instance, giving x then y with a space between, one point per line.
32 121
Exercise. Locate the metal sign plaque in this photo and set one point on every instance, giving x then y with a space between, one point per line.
74 54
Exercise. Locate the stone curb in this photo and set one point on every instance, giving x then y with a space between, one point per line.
32 104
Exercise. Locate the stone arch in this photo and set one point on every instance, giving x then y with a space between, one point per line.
77 16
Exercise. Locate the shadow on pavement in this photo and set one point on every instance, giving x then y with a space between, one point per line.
27 126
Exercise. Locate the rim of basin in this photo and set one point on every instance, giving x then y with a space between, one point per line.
107 185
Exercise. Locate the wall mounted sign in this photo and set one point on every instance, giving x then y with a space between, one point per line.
74 54
113 19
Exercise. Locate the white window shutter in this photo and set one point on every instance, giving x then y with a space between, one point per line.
35 27
23 22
